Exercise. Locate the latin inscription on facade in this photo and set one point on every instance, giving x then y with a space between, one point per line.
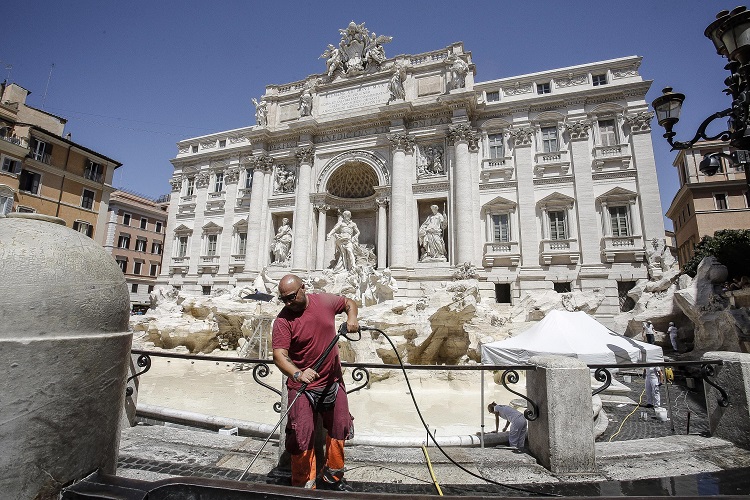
350 98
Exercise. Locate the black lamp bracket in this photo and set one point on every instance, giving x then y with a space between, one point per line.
701 133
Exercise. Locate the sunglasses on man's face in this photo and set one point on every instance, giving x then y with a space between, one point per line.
290 297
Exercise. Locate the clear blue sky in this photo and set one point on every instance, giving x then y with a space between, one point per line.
134 77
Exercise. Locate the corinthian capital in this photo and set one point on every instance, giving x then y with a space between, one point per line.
232 175
261 162
521 136
579 129
640 122
462 132
305 154
201 180
176 183
382 202
402 141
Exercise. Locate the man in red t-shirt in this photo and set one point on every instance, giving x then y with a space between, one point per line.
302 331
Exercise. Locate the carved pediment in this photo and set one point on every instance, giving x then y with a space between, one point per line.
183 230
499 204
211 227
556 200
617 194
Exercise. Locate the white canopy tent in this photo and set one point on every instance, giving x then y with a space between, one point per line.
573 334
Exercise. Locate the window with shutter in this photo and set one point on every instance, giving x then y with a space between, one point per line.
619 218
29 181
496 145
87 200
557 230
10 165
607 132
6 204
501 228
549 139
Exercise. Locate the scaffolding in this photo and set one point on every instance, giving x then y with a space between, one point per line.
256 346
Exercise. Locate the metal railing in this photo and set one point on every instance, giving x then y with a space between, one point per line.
707 370
360 373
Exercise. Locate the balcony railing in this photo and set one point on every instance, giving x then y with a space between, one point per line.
92 176
567 250
18 141
618 155
42 157
631 247
501 253
502 167
180 264
544 161
209 264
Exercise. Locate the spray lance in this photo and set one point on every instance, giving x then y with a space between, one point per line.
342 332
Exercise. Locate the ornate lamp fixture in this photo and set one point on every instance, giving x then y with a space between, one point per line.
730 33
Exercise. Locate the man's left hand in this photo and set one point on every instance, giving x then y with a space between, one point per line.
352 326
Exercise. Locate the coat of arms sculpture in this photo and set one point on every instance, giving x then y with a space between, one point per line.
359 51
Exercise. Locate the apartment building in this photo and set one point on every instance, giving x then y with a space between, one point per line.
44 171
705 204
135 238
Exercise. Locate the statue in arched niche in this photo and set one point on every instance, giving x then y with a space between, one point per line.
281 243
431 237
346 236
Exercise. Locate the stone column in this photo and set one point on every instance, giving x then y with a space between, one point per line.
255 213
463 138
382 233
730 422
400 198
562 438
231 180
606 222
521 138
587 235
321 243
642 151
302 212
635 217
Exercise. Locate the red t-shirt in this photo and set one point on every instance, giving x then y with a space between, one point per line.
305 335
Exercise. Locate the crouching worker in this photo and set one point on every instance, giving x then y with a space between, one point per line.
302 331
514 419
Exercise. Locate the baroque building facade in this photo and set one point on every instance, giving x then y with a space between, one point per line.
535 182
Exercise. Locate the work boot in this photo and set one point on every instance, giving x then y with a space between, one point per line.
334 481
340 485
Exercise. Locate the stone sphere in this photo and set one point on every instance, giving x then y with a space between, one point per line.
57 281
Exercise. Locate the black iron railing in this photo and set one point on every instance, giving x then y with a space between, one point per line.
360 373
602 373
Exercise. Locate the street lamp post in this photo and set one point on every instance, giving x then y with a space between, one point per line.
730 33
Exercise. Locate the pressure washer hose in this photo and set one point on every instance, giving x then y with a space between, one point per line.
432 472
431 435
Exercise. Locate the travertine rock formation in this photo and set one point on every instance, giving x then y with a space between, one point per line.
718 326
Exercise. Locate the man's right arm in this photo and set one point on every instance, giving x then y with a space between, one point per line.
284 363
